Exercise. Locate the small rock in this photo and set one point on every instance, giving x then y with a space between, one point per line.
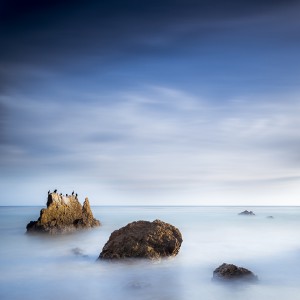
270 217
143 239
247 213
229 272
77 251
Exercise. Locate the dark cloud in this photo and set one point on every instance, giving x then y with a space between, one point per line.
48 31
19 9
68 36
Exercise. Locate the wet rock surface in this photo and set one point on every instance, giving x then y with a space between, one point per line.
229 272
63 214
143 239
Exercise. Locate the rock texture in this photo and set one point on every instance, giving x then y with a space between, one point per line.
63 214
143 239
247 213
229 272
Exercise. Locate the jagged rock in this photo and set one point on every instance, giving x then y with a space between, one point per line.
143 239
63 214
247 213
87 215
229 272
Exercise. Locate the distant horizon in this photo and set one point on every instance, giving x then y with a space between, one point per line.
137 205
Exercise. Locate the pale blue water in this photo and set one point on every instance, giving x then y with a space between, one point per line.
34 267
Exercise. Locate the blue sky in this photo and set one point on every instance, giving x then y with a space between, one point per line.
150 102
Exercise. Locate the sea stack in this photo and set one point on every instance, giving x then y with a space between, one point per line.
63 214
143 239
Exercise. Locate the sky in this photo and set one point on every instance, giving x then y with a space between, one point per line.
131 102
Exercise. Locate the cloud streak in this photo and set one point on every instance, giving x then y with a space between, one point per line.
160 139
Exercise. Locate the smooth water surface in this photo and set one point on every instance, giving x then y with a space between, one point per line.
52 267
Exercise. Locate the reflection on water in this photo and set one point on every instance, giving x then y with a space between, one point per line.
65 267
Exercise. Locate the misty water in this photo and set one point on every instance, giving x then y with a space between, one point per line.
65 267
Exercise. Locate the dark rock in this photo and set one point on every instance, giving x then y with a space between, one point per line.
229 272
62 215
247 213
79 252
143 239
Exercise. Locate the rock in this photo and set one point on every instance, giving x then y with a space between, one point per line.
87 215
247 213
63 214
229 272
79 252
143 239
270 217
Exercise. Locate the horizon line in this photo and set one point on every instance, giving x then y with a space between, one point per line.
138 205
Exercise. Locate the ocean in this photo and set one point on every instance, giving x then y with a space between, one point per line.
65 267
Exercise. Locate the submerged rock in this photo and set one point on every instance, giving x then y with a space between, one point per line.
229 272
138 285
247 213
143 239
79 252
63 214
